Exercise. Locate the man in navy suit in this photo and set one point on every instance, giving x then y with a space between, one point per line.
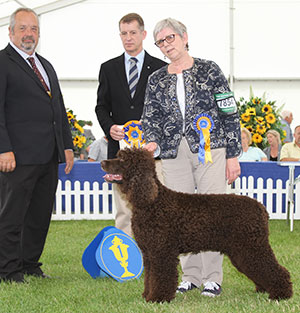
34 137
115 105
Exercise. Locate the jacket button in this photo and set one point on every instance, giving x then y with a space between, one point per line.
131 107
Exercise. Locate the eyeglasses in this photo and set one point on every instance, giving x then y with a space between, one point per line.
169 39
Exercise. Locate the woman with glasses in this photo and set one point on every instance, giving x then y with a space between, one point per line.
190 120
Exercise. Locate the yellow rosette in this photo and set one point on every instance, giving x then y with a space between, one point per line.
203 125
134 135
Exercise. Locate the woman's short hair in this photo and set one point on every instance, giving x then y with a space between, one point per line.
248 134
177 26
274 133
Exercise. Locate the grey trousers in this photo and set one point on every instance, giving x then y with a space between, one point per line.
184 173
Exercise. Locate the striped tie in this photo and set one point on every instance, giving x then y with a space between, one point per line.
133 76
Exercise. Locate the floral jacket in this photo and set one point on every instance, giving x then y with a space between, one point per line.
162 119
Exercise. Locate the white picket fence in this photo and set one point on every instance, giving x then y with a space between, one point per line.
95 201
273 195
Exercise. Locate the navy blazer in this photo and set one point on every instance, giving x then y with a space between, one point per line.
31 123
114 103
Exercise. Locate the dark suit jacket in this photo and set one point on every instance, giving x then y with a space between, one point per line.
114 103
31 123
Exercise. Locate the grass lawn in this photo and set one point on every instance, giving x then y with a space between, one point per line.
72 290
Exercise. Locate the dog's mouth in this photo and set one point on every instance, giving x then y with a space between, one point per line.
113 178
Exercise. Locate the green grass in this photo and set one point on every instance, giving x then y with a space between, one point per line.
73 290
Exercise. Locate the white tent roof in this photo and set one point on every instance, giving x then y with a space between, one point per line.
40 7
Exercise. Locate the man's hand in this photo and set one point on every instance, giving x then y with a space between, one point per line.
116 132
7 162
69 155
233 170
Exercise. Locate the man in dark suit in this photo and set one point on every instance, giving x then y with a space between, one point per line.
34 137
115 104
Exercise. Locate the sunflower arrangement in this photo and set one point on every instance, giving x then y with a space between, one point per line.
79 139
259 116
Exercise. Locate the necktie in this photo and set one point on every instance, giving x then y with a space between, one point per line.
133 76
38 74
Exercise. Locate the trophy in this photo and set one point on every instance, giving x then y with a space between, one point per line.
119 250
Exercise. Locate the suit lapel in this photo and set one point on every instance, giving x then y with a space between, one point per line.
48 71
146 70
15 56
120 69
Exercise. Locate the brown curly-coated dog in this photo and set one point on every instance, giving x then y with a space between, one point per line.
166 223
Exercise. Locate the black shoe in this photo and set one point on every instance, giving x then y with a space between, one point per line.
16 277
36 272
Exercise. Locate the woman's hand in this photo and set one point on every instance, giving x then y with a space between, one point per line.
233 170
150 146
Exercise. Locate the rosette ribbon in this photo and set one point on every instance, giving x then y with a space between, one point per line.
203 125
134 135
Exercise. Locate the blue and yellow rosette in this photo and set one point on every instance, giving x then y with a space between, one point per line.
134 136
203 125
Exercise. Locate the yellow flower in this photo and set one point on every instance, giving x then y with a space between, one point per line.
266 109
260 129
245 117
270 118
251 111
76 125
242 124
260 120
76 141
70 116
284 133
250 128
256 101
257 138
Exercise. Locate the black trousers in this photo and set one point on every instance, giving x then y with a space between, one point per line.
26 202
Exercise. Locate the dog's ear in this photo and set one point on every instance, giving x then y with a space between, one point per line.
144 193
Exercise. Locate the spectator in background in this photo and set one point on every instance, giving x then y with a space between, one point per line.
98 150
250 153
291 150
286 120
273 151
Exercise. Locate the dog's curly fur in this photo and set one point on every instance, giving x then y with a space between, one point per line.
166 224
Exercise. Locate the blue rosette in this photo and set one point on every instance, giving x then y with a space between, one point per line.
203 125
134 136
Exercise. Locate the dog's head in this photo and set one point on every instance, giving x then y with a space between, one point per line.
134 170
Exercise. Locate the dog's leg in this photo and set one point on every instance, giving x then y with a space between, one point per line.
147 270
259 264
163 279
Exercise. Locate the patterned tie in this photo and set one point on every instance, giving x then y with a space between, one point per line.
38 74
133 76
